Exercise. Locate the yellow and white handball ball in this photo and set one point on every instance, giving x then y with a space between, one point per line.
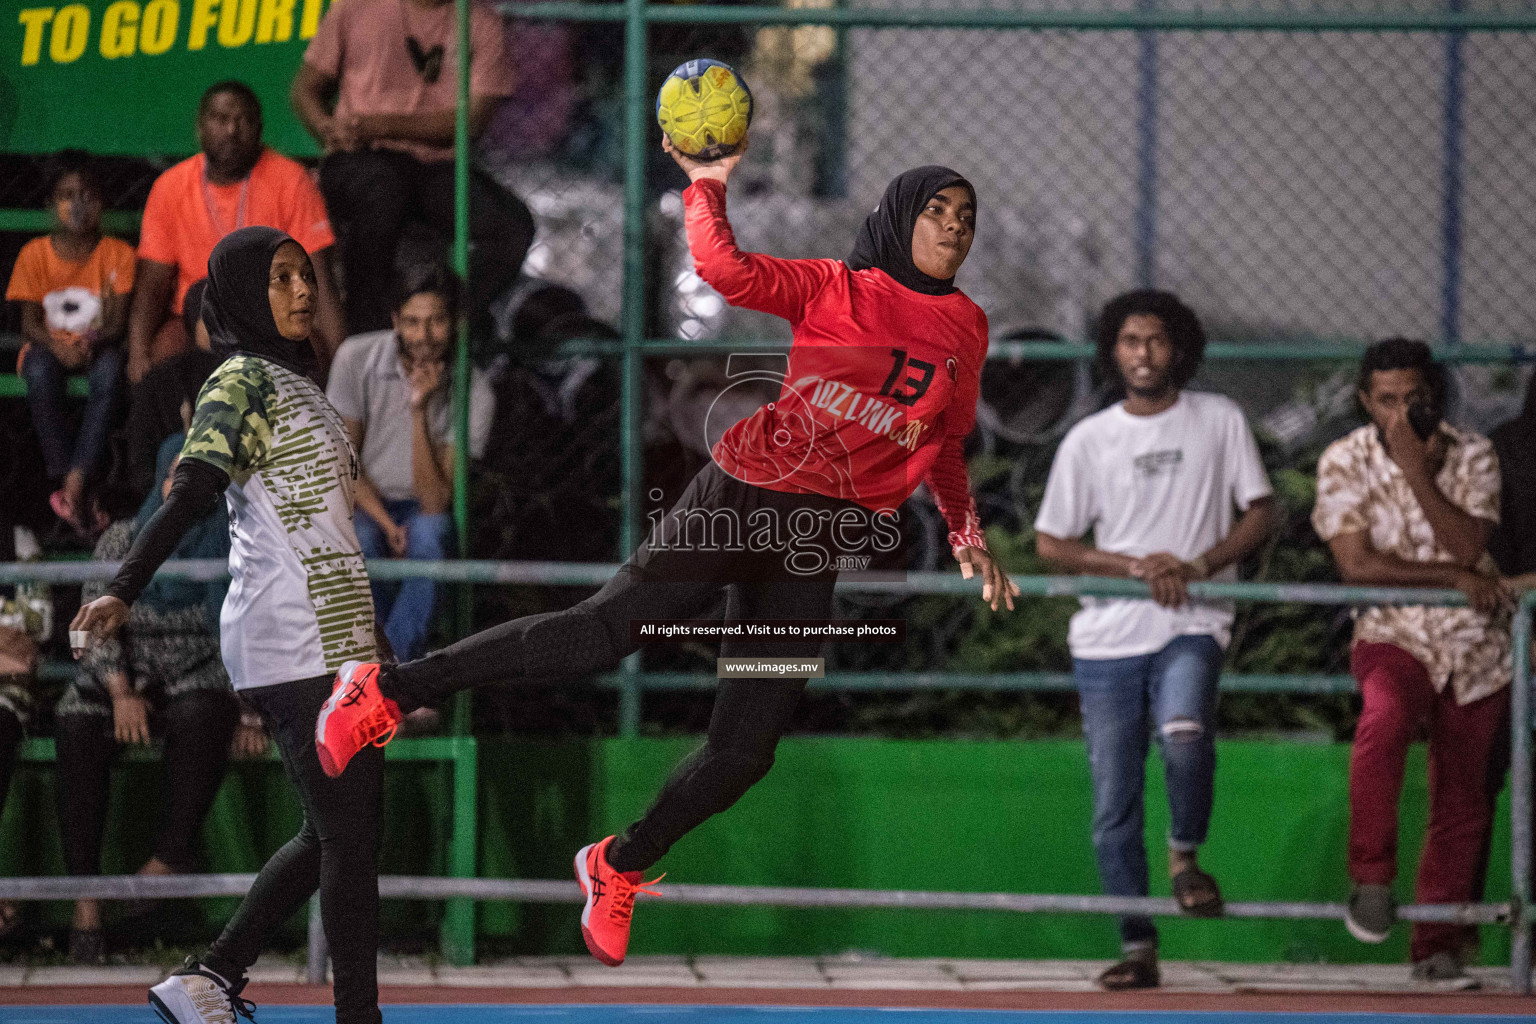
704 107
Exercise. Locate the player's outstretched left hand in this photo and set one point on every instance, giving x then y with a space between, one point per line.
995 585
101 618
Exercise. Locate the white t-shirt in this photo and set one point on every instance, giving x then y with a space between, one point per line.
368 385
1145 484
299 605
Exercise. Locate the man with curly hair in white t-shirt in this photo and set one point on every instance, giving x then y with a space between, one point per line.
1171 485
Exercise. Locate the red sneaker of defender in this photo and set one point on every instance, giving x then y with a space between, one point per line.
610 902
356 715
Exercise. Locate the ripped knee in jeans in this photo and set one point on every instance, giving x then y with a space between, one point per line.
1181 730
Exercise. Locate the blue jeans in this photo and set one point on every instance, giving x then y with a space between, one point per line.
406 608
1171 691
46 379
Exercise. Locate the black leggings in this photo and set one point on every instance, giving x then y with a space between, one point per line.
337 849
668 580
198 726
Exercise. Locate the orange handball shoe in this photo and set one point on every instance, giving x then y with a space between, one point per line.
610 902
356 715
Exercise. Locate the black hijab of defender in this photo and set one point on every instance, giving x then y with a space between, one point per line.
885 240
236 307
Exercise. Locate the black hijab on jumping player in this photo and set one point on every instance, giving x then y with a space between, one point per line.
236 308
885 240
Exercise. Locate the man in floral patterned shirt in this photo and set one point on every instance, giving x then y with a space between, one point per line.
1409 500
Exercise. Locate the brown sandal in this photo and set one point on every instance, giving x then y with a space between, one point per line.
1134 972
1197 894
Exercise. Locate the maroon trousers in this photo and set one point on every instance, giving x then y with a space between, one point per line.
1399 699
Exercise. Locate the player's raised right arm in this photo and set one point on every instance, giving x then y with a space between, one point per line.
746 279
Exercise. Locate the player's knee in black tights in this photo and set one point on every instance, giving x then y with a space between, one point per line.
572 642
736 769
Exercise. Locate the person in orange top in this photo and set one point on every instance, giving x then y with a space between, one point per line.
234 182
73 287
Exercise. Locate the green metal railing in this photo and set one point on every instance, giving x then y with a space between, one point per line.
1517 915
12 386
459 754
117 222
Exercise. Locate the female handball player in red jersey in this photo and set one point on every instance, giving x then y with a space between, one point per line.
881 391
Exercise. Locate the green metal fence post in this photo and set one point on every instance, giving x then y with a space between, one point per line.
458 931
461 268
1520 802
634 263
635 134
463 702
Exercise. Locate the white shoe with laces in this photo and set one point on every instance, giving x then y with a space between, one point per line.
196 995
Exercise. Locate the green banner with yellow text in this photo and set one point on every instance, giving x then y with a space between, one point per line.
124 76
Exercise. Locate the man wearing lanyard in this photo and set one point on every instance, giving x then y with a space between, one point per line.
233 183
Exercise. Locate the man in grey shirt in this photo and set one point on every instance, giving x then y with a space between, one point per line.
393 391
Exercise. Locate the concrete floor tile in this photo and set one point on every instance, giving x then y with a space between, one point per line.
1192 977
503 976
410 977
730 970
664 975
1027 970
893 983
67 976
1031 985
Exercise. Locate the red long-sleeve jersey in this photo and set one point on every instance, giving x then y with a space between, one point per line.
882 383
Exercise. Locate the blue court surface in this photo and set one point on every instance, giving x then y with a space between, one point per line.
523 1014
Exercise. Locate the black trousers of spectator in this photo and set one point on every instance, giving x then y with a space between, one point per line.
669 577
371 195
154 410
337 849
198 726
11 733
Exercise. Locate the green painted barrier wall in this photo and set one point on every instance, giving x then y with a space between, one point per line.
978 816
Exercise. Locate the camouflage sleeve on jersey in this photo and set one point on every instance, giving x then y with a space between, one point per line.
230 427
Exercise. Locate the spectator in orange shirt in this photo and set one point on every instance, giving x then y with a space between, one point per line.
389 144
73 286
234 182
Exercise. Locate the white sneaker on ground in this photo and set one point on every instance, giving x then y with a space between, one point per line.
196 995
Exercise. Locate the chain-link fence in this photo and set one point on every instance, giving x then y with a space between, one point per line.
1290 185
